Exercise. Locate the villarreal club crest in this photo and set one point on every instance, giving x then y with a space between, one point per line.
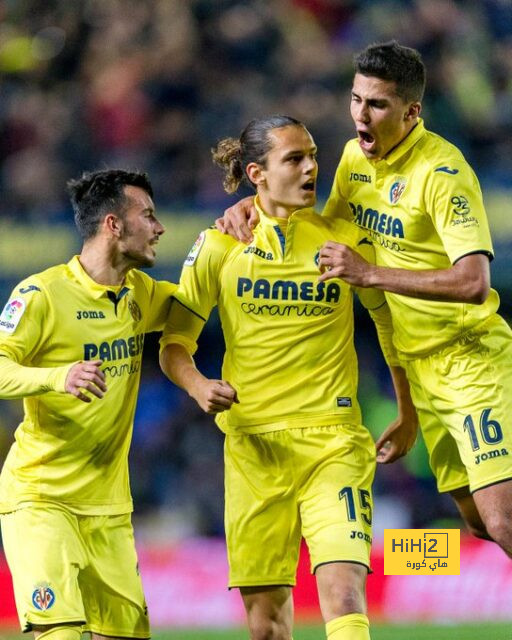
397 189
43 597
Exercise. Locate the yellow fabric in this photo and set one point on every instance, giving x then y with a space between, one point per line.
67 451
69 568
285 332
354 626
382 320
313 482
61 633
472 444
17 381
422 207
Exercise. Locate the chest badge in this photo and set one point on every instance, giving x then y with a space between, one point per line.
397 189
134 309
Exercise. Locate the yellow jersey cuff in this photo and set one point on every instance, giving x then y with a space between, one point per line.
18 381
172 338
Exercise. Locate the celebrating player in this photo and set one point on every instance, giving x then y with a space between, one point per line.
71 342
421 204
297 459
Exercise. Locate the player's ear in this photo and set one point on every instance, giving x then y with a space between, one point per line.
113 223
255 174
413 111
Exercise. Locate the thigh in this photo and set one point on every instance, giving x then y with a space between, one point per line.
335 493
261 517
45 553
111 585
470 389
467 507
494 504
432 402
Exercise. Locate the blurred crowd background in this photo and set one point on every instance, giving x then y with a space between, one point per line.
153 84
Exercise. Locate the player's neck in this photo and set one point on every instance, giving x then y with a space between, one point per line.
104 266
274 209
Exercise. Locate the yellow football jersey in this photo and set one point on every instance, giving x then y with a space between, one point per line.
422 208
67 451
289 339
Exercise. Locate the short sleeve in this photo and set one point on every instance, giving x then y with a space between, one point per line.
337 205
455 204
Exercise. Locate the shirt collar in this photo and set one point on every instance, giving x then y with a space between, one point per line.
266 219
406 144
96 289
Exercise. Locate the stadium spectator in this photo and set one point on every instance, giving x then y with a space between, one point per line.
145 84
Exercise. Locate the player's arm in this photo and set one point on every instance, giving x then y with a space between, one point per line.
239 220
19 381
213 396
22 331
449 198
468 280
177 346
197 294
399 437
160 296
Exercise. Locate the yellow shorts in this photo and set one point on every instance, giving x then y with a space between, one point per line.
313 482
463 395
69 568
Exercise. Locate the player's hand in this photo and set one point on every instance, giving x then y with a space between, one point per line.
339 261
215 396
239 220
86 376
397 439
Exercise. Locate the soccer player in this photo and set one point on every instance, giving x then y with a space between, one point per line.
297 459
71 342
420 203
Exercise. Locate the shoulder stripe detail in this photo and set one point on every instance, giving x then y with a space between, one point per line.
188 308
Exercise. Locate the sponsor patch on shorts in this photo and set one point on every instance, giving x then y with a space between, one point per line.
343 401
196 248
11 315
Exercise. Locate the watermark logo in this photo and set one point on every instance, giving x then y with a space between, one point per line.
409 552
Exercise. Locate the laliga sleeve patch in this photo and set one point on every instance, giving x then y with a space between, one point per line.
194 252
11 315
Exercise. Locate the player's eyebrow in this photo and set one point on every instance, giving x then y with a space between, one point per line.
300 152
370 100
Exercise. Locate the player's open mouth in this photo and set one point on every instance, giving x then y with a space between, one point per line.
309 185
365 138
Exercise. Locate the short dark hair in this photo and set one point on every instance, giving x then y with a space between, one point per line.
392 61
96 193
234 154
